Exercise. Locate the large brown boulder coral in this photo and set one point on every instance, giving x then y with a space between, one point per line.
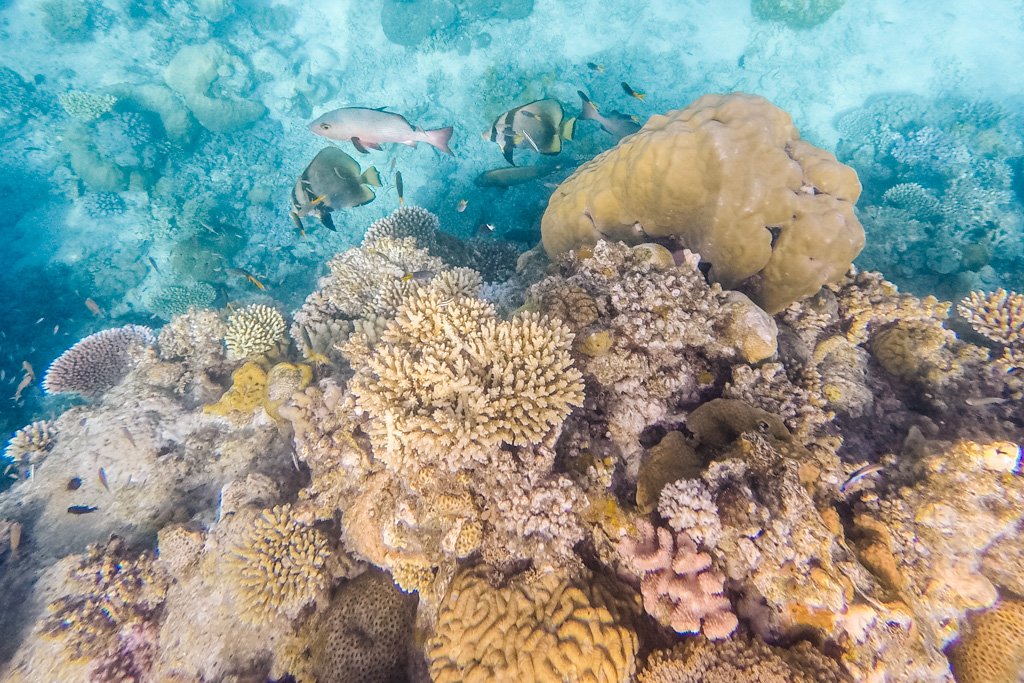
730 178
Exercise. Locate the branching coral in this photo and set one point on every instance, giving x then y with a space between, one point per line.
168 302
448 383
114 594
253 330
30 444
280 566
679 587
86 106
999 316
740 659
97 362
771 213
540 627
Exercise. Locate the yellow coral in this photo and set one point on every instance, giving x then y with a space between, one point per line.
729 175
253 330
998 315
247 392
547 628
284 380
280 566
448 383
596 343
993 647
907 350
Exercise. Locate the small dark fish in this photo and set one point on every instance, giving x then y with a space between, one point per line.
400 187
153 263
74 483
81 509
485 229
103 478
248 276
860 475
599 68
633 93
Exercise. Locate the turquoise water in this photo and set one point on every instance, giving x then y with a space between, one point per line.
150 149
905 93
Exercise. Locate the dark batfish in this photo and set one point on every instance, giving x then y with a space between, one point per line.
332 181
540 125
616 123
81 509
516 175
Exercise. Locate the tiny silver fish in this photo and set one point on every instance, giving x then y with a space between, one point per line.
103 478
860 474
985 401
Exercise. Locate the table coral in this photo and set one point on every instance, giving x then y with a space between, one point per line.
771 213
279 566
253 331
98 362
545 627
740 659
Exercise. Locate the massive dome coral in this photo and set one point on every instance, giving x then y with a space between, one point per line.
730 178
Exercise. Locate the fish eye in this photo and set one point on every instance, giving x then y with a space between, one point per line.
325 126
762 426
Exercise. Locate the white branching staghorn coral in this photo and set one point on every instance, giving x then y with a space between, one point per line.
253 330
449 383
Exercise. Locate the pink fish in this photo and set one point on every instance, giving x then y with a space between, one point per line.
368 128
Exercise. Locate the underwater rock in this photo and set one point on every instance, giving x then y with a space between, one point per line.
410 23
775 219
195 73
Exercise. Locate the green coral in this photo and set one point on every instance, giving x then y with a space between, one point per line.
795 14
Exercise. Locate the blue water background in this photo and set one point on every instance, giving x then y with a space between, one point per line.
925 96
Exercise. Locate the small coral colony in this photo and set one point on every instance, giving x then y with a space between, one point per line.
682 439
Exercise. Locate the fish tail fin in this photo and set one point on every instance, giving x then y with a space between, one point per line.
589 110
371 177
328 222
439 138
567 128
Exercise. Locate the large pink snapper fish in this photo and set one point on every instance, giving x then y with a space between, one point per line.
367 128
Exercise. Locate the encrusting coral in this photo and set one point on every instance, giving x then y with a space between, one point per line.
98 362
740 659
253 330
730 177
992 648
280 566
538 627
679 587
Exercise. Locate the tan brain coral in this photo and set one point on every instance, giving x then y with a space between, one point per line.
993 647
730 176
544 628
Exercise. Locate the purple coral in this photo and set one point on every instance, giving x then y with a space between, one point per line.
97 362
679 587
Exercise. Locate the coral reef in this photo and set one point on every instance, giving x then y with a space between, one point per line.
30 444
98 362
86 106
992 649
173 300
279 566
253 331
679 588
538 627
448 383
795 14
740 659
774 217
998 316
